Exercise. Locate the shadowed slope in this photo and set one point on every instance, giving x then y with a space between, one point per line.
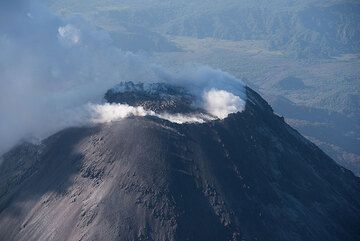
247 177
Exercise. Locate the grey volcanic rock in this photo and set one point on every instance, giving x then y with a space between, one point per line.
153 96
247 177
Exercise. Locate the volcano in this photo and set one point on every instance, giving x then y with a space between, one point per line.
249 176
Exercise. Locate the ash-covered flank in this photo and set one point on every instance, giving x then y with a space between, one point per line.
247 177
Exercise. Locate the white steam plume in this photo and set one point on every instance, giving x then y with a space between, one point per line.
104 113
114 112
221 103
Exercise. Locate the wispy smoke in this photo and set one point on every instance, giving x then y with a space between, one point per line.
69 35
185 118
51 68
113 112
104 113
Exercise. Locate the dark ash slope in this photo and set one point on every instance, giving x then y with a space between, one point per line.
248 177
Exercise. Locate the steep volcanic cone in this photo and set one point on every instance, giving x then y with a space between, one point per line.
247 177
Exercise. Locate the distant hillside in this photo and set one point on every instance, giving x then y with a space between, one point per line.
301 28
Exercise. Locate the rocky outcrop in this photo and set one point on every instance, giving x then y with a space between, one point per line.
160 97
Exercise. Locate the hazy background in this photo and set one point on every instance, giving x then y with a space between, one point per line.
302 56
